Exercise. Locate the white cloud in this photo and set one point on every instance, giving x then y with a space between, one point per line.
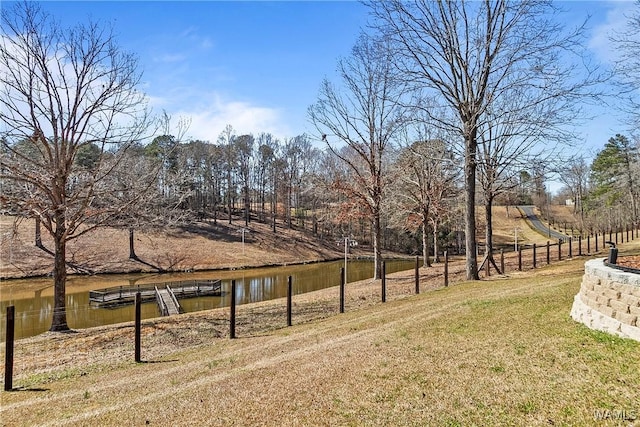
208 120
167 57
615 21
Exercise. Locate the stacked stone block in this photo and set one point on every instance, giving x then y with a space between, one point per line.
609 300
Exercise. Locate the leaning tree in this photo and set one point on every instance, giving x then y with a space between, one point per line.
70 111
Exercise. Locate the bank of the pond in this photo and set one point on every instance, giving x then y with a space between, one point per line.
33 298
202 246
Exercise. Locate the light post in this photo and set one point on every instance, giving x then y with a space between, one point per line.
347 242
243 231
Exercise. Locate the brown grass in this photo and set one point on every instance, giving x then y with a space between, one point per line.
201 246
502 351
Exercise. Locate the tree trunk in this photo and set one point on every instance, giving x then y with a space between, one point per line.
229 201
470 208
38 233
488 215
425 244
488 234
132 251
377 250
436 249
59 322
247 206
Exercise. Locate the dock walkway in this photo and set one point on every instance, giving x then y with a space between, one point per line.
165 294
167 301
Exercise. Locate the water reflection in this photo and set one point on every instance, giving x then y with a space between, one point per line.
33 298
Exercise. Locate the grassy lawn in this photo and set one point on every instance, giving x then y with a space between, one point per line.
500 352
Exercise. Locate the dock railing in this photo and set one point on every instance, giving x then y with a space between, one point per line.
164 310
174 299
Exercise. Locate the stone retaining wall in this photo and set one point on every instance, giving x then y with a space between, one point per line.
609 300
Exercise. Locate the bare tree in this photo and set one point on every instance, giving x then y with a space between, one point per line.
574 174
64 90
365 117
427 175
267 147
469 53
226 140
627 67
511 133
244 152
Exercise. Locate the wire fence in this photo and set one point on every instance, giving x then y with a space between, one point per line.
260 318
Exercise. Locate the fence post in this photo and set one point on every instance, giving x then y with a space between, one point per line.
580 245
341 289
8 355
138 322
502 261
520 258
289 296
548 253
559 249
384 281
232 317
534 255
570 246
446 268
417 275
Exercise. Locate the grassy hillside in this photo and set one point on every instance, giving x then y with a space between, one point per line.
200 246
502 351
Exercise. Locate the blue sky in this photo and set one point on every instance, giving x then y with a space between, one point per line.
258 65
254 65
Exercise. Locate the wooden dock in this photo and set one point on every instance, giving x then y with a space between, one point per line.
166 294
167 301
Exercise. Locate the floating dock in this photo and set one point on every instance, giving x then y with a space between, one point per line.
165 294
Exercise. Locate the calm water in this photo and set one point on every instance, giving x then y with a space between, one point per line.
33 298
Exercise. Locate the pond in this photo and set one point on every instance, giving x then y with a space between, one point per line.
33 298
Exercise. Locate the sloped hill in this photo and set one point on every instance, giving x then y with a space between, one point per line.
200 246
